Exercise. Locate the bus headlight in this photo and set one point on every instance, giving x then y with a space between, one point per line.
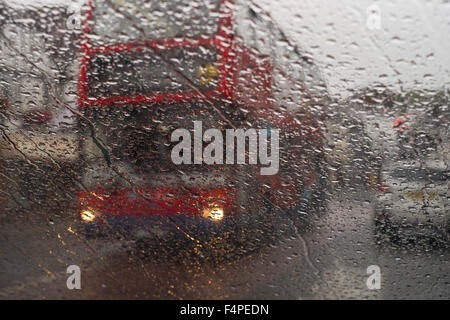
87 216
215 213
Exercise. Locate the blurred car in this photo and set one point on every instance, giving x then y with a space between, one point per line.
149 68
414 186
36 132
413 200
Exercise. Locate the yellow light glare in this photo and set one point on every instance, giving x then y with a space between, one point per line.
207 73
215 213
87 216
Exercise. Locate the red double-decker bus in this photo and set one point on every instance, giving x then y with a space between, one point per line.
149 68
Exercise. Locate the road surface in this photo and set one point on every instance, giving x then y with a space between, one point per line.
326 260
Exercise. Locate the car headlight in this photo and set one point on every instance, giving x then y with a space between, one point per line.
87 216
215 213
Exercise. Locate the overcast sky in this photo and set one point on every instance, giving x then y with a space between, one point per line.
412 48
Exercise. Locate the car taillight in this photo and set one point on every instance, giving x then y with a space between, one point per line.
383 187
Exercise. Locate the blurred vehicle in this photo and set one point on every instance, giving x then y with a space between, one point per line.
151 67
35 131
413 200
414 186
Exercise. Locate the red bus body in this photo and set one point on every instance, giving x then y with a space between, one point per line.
232 57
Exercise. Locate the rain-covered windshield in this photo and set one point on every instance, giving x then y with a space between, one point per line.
224 149
122 21
141 72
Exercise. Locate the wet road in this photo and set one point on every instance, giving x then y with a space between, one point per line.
328 259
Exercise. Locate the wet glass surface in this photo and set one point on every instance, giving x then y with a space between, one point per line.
220 149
